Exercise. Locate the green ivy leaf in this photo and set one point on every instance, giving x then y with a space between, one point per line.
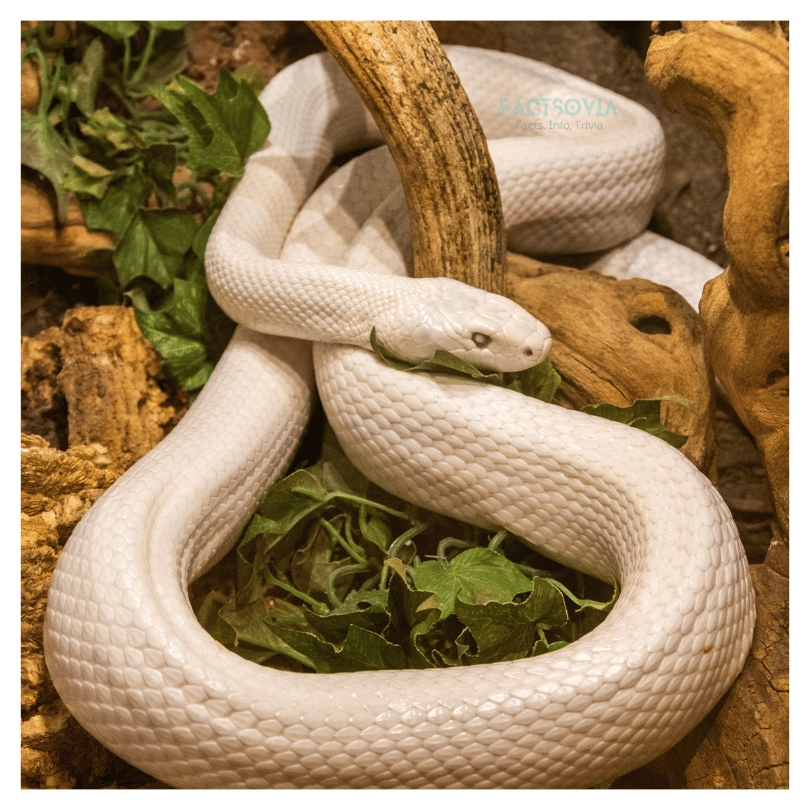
362 650
293 499
225 128
413 613
506 631
87 79
252 74
185 359
159 161
172 58
188 330
42 149
644 414
475 576
88 177
118 29
249 626
313 566
111 132
169 25
366 610
540 381
153 245
123 197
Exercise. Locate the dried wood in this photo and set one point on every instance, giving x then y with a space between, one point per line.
731 79
405 79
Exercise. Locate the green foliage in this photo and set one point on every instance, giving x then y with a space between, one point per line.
224 128
644 414
337 576
97 134
475 576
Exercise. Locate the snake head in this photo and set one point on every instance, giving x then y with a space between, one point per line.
484 329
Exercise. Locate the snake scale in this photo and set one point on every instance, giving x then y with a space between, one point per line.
122 644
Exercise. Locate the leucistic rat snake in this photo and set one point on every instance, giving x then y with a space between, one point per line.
123 646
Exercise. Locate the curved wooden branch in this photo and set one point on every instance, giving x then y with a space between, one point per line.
416 98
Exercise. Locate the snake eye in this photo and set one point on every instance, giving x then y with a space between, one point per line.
481 340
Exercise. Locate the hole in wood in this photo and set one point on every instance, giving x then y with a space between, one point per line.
652 325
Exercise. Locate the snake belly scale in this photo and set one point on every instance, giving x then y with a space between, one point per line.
122 644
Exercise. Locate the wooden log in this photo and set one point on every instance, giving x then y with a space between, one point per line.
43 240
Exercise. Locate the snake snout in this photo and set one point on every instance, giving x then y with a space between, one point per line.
515 345
485 329
537 346
522 341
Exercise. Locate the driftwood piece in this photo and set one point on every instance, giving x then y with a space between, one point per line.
100 364
416 98
44 240
57 489
732 80
619 341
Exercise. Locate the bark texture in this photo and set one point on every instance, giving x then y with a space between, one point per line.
732 80
105 371
405 79
57 490
105 374
619 341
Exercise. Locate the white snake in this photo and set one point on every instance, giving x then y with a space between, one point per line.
122 644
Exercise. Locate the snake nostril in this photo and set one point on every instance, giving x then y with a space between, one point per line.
481 340
528 352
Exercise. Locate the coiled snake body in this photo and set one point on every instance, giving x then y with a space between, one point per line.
122 644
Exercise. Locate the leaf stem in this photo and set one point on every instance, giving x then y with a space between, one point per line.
358 499
48 89
147 54
319 607
451 542
346 570
396 546
297 656
46 43
497 540
127 59
350 548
